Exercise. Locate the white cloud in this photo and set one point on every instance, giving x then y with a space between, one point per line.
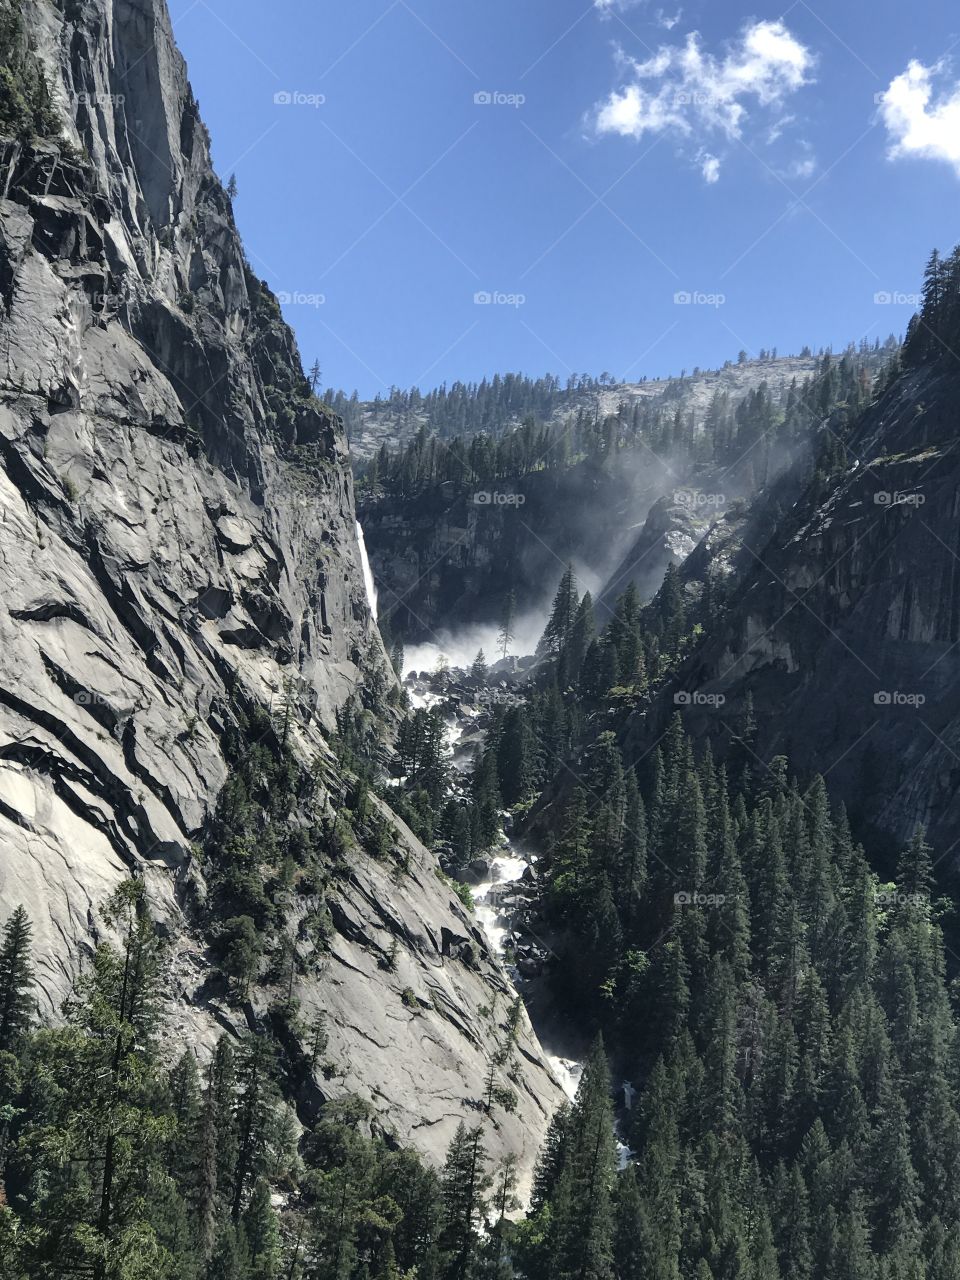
919 122
662 19
692 93
802 167
776 130
668 20
710 168
612 6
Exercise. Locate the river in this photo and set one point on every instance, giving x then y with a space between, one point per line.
507 865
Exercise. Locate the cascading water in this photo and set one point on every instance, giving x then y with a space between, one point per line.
507 866
368 581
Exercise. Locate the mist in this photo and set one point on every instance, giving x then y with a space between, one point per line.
460 647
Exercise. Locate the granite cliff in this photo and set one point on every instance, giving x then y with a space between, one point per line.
177 541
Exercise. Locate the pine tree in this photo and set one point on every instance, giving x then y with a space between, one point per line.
228 1261
632 877
915 869
465 1185
255 1113
101 1082
505 635
479 669
16 979
582 634
550 1161
261 1234
563 615
631 1242
581 1244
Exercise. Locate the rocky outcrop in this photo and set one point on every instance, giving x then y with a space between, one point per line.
669 534
177 536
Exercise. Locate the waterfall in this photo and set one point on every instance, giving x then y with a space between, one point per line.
367 572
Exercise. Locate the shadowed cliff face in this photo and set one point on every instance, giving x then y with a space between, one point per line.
177 537
846 623
442 562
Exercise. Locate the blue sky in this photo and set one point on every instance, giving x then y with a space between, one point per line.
781 167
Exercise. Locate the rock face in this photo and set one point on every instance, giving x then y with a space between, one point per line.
177 532
845 623
669 534
441 560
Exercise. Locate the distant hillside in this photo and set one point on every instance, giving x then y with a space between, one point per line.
500 403
449 518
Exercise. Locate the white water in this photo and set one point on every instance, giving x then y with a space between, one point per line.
506 868
568 1071
368 581
460 649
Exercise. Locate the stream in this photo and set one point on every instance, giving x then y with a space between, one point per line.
492 895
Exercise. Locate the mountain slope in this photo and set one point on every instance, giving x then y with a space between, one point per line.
178 555
845 625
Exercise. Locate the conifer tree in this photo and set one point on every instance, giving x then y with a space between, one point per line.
563 614
582 1229
16 979
479 669
261 1235
465 1186
550 1161
506 632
